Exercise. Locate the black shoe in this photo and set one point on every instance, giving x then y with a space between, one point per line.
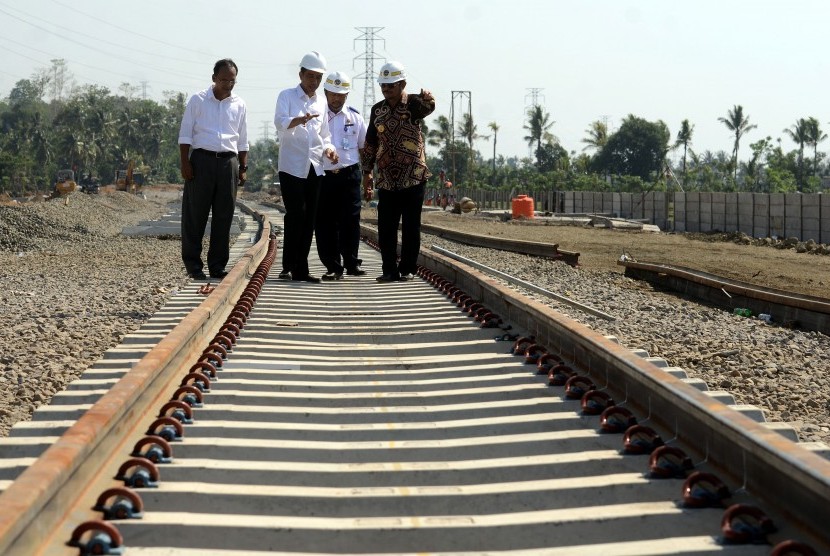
388 278
306 278
197 275
406 277
221 274
331 276
356 271
285 275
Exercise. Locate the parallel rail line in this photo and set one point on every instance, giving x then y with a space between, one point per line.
357 417
783 307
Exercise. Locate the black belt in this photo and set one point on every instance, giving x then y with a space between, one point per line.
338 170
223 154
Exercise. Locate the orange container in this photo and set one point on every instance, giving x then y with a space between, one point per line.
522 206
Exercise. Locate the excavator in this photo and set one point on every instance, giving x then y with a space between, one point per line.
129 179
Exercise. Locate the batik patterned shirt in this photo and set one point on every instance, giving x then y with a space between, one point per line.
394 141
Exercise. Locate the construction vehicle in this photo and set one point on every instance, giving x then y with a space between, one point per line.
129 179
89 184
64 183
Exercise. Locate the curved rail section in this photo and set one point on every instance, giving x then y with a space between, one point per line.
357 417
782 307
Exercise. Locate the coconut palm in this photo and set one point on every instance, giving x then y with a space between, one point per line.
800 135
815 136
737 124
597 136
684 138
494 127
538 125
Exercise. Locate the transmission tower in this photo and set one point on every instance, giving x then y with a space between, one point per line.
460 97
266 125
368 36
534 95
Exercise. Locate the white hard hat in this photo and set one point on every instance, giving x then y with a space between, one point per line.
314 61
391 72
337 82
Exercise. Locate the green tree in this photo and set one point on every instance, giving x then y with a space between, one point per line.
684 139
469 131
637 148
441 136
538 126
597 136
815 135
799 133
494 127
738 124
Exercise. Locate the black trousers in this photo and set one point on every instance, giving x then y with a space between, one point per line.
401 206
212 191
338 219
299 195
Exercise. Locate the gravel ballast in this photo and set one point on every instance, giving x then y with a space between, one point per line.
73 286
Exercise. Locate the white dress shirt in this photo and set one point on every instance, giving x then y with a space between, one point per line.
302 144
215 125
348 133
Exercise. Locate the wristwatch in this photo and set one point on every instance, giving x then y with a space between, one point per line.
243 168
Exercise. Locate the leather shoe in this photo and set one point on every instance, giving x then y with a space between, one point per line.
387 278
221 274
198 275
406 277
306 278
331 276
356 271
285 275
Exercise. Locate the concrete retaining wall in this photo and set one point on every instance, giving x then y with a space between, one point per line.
803 216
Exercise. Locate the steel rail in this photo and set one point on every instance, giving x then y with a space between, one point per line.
526 285
784 475
534 248
758 456
33 507
807 312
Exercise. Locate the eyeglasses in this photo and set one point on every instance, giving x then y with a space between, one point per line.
388 85
230 81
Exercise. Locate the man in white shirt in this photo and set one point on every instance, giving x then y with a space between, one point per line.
304 140
338 210
213 146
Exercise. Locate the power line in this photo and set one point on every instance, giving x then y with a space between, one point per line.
368 36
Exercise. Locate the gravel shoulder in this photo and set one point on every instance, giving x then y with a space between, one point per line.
72 287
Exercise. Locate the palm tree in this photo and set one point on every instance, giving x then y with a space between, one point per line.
814 136
468 129
597 136
538 126
737 124
441 136
684 137
800 135
495 129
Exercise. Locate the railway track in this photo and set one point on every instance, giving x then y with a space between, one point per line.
782 307
356 417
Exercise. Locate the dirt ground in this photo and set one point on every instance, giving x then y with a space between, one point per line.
600 249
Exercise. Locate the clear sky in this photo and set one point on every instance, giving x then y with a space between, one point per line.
587 61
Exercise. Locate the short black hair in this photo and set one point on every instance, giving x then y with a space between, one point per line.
225 62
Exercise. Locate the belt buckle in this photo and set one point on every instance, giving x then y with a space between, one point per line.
336 171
